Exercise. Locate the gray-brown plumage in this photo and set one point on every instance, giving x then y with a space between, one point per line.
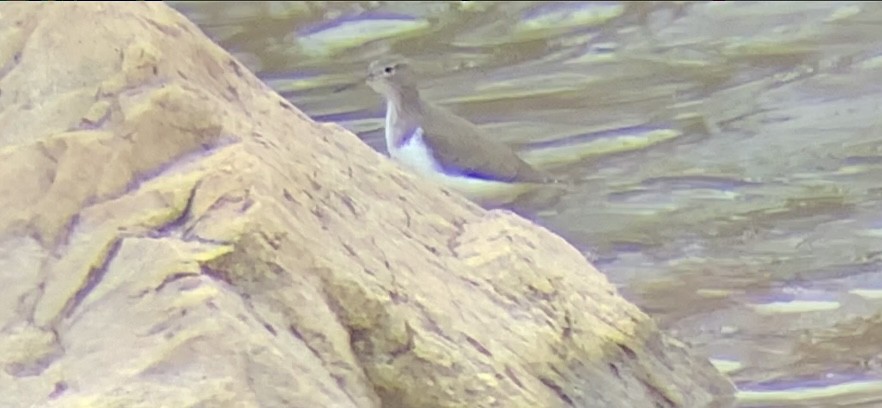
429 138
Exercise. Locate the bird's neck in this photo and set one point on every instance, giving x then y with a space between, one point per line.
403 112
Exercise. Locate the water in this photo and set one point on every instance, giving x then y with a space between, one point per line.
730 153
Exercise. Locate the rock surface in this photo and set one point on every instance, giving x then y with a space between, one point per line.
175 234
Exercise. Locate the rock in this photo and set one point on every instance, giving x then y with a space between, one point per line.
176 234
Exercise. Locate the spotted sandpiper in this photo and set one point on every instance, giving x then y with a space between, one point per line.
442 146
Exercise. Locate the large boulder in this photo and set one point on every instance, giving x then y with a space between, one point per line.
176 234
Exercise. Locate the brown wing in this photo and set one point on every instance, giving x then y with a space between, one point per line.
463 148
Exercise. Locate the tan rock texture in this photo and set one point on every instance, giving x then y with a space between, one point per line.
175 234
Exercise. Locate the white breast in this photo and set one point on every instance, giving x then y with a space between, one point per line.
415 155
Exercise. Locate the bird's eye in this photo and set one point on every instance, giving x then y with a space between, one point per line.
389 69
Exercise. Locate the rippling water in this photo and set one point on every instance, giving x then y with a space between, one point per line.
729 153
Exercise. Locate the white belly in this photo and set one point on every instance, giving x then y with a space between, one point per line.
415 155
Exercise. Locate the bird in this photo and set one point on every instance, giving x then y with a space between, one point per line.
442 146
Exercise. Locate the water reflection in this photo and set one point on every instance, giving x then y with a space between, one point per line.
730 152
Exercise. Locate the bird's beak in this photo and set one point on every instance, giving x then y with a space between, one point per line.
346 87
